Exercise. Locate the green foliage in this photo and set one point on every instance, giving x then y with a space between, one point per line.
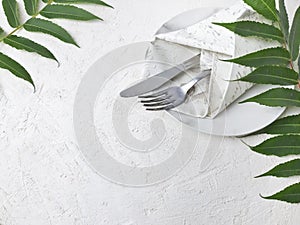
251 28
12 12
291 194
271 56
47 27
272 75
14 67
284 20
279 146
277 97
271 68
288 169
22 43
67 12
287 125
31 6
294 40
34 24
98 2
267 8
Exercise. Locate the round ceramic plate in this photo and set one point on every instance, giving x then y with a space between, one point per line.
236 120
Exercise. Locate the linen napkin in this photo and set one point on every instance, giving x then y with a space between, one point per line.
213 43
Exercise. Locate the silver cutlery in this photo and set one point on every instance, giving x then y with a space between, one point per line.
172 96
159 79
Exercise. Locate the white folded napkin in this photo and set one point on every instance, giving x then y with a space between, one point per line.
214 43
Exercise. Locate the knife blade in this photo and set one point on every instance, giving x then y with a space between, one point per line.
159 79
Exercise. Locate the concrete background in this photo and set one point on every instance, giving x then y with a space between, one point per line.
44 178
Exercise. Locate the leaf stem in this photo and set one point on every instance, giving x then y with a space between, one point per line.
22 25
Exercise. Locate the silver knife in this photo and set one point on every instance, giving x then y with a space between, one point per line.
159 79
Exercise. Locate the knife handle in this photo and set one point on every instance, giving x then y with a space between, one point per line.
192 62
186 65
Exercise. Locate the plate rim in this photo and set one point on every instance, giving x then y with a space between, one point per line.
196 119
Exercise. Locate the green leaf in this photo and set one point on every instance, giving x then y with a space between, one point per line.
284 19
267 8
291 194
31 6
15 68
98 2
287 125
251 28
270 56
279 146
67 12
47 27
272 75
28 45
1 31
12 12
294 40
288 169
277 97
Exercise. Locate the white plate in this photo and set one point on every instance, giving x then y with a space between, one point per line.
238 119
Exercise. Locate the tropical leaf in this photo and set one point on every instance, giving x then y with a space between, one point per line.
284 19
67 12
1 31
277 97
287 125
272 75
31 6
291 194
288 169
251 28
98 2
294 40
47 27
267 8
12 12
279 146
270 56
15 68
28 45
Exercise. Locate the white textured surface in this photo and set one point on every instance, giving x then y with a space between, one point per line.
44 179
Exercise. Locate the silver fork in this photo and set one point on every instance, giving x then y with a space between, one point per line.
172 96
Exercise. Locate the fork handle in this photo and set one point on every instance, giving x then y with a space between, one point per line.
205 73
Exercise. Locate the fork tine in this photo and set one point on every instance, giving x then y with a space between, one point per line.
153 100
167 107
161 103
